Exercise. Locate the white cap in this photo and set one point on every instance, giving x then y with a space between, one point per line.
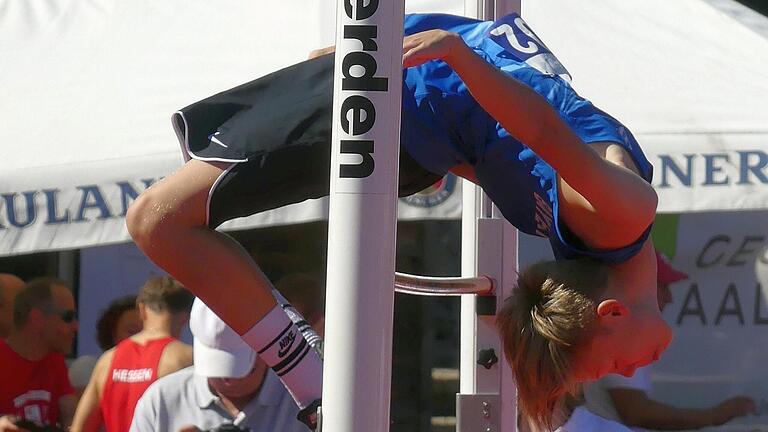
219 352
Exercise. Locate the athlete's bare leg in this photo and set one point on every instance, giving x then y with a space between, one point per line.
168 223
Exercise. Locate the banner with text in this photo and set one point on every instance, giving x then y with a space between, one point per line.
719 316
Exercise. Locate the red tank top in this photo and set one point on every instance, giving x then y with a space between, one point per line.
133 369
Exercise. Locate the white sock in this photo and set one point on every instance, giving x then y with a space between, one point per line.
280 344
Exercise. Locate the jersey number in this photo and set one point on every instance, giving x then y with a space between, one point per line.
509 32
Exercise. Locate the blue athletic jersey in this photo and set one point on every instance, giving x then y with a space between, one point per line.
443 126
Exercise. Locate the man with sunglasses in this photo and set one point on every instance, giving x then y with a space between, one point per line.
35 386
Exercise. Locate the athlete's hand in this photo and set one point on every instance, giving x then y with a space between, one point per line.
429 45
321 51
731 408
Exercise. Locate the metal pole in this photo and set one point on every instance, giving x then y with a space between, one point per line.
362 216
489 248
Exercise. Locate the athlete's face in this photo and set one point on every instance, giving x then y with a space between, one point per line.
622 341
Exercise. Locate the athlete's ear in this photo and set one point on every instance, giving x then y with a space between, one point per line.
142 311
611 308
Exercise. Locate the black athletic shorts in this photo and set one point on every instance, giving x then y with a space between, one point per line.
278 130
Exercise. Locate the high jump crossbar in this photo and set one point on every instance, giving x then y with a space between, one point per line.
443 286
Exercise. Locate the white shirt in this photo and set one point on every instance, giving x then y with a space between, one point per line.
183 398
599 401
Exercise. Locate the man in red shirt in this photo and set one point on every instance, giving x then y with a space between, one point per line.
10 285
35 386
123 373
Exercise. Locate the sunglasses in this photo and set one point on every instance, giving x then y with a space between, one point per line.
67 315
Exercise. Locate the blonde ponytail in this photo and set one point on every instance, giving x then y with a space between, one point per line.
544 321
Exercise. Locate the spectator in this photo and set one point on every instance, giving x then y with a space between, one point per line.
119 321
10 285
625 399
35 386
124 372
228 384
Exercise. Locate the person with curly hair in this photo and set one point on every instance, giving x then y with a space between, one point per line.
119 321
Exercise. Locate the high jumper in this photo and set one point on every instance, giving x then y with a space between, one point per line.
554 164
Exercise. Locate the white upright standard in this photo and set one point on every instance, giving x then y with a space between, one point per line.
362 218
487 393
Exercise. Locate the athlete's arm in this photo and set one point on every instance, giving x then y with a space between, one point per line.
88 416
636 409
608 193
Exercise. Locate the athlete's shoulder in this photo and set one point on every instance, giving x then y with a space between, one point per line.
178 347
101 369
105 359
176 355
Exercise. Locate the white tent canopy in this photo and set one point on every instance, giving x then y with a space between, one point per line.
688 79
87 93
88 88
